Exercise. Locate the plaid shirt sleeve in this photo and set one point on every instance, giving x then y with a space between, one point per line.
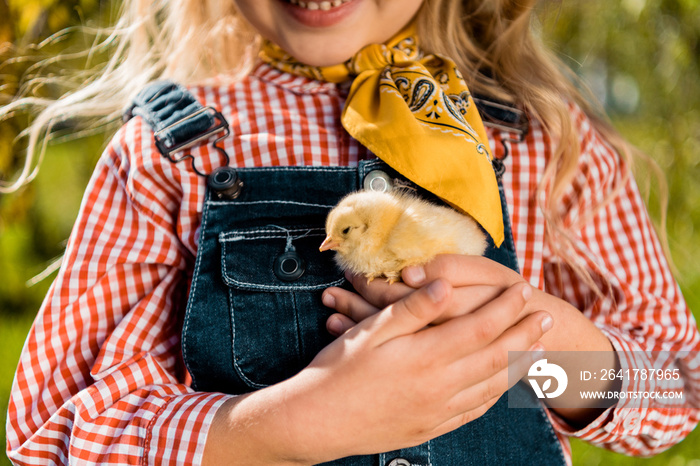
641 308
100 379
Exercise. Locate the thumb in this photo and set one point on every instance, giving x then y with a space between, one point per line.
413 312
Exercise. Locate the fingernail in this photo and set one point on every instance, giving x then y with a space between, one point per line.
536 352
527 292
547 323
328 300
436 291
334 326
415 274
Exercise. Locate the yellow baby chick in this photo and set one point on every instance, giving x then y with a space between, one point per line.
379 233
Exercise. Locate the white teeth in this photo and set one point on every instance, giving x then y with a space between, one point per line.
324 5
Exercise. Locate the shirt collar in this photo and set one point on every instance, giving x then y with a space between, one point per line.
294 83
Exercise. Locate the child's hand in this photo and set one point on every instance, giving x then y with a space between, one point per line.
476 281
483 281
390 382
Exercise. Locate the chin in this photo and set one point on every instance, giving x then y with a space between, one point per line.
317 56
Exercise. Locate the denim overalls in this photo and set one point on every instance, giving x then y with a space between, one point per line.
254 315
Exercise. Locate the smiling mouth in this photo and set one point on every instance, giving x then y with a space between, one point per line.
324 5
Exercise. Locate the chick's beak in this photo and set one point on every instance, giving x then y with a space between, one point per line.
328 243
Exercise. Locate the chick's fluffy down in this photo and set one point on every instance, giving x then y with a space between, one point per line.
379 233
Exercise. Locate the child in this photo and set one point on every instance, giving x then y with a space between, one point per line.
101 378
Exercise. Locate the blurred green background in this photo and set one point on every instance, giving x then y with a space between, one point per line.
640 57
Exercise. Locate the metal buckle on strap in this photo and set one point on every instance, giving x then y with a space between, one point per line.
168 151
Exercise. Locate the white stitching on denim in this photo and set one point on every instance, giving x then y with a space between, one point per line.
260 287
300 169
205 216
325 206
234 239
270 236
297 325
247 235
311 169
368 167
238 369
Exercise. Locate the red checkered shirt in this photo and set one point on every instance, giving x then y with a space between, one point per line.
101 378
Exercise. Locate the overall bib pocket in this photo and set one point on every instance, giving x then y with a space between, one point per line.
254 315
275 275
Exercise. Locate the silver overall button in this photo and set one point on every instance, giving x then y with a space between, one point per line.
225 183
377 180
399 462
289 266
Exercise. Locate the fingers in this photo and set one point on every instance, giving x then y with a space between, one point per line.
412 313
467 334
460 270
378 292
467 299
337 324
475 400
346 302
493 362
462 416
353 308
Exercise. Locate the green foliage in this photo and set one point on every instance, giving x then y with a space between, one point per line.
33 20
35 222
13 330
641 57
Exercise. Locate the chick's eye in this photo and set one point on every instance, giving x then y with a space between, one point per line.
346 230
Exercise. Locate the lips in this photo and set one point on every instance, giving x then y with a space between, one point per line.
320 14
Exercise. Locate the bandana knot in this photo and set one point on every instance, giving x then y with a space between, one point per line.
375 57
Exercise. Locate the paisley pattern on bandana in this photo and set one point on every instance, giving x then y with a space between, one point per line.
415 112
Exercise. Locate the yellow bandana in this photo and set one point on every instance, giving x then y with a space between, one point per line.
415 113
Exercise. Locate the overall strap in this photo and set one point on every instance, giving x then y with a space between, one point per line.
178 120
506 118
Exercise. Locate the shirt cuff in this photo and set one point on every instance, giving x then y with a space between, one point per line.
625 418
178 431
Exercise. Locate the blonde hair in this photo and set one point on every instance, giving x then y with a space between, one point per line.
195 40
